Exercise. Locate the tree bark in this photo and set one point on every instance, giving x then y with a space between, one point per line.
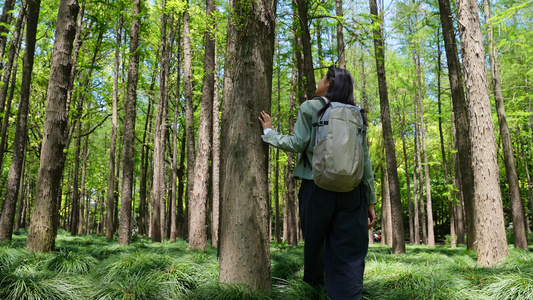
386 233
244 238
158 185
198 201
409 203
398 240
189 107
462 126
517 207
341 63
307 68
129 127
216 154
41 237
488 211
110 229
5 19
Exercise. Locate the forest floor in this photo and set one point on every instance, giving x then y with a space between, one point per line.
89 267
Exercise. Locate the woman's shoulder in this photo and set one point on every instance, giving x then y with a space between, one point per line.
313 104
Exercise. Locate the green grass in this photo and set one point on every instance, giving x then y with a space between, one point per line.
89 267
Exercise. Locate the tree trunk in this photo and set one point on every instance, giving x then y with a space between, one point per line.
5 19
41 236
244 238
216 153
75 193
517 207
398 240
20 204
158 187
110 230
85 155
307 68
386 230
198 201
453 243
409 203
341 63
488 211
189 107
460 112
129 127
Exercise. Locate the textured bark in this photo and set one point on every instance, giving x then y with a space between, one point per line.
75 193
462 126
416 212
398 240
198 201
386 234
244 238
277 232
307 68
517 207
158 187
216 157
129 128
85 155
488 211
189 108
110 229
341 63
41 236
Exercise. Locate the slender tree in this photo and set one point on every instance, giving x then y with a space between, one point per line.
198 201
129 127
398 241
5 20
41 236
488 211
517 207
15 171
341 63
304 37
244 238
462 125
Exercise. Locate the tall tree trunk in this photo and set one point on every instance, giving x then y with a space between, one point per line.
244 238
416 212
189 107
174 232
216 153
307 68
20 204
430 230
387 235
409 204
158 187
398 240
517 207
277 232
290 224
198 202
129 127
453 243
110 229
460 112
85 155
341 63
75 193
41 236
7 74
144 212
488 211
421 206
5 20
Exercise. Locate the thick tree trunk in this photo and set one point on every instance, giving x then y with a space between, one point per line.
386 218
158 187
41 236
110 229
398 244
124 229
517 207
244 238
462 126
341 63
488 211
198 201
189 107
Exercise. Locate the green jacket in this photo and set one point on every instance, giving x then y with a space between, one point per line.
303 139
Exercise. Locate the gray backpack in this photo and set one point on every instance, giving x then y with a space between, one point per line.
338 159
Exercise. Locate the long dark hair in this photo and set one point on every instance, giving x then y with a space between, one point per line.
340 89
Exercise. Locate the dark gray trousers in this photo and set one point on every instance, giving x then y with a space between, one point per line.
335 230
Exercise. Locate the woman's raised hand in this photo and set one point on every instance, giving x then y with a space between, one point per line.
265 120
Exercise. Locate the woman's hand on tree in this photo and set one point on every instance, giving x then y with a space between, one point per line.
265 120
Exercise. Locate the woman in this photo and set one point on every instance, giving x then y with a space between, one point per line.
333 223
